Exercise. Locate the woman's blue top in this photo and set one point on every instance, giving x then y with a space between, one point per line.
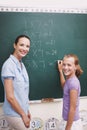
16 70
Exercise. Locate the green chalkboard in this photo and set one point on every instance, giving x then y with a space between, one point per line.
52 36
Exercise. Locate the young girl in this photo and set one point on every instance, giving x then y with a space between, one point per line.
70 70
16 85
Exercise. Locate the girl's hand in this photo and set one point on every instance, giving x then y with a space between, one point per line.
60 62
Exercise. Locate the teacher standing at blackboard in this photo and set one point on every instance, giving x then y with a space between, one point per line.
71 69
16 85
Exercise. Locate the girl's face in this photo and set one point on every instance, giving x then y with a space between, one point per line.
21 48
69 67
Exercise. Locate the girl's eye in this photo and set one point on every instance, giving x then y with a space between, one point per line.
28 46
63 64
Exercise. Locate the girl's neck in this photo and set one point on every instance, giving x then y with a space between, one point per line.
68 77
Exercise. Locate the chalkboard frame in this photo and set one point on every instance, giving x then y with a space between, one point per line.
51 39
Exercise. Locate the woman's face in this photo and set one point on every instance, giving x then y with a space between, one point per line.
22 48
69 67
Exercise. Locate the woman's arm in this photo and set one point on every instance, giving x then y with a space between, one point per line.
71 114
14 103
62 78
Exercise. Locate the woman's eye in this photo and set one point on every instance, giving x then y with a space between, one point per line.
21 45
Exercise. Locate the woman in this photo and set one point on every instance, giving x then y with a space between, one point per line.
16 85
70 70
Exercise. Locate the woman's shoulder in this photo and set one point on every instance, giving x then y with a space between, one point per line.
7 63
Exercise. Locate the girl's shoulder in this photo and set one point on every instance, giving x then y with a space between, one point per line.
74 83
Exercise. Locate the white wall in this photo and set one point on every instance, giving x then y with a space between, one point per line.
48 110
46 3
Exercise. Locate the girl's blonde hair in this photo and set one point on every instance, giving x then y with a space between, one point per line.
79 70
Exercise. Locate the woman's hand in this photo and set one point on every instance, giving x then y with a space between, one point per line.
29 115
26 119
